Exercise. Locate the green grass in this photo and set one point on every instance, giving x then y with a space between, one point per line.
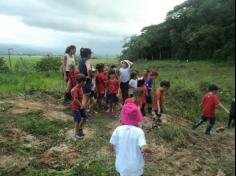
189 82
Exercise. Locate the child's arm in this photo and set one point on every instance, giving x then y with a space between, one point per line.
224 108
146 150
64 67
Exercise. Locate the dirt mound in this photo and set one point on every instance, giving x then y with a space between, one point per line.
60 156
16 136
13 161
50 109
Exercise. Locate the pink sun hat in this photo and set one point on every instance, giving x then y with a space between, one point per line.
131 114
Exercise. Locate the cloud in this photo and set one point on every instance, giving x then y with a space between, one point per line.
95 23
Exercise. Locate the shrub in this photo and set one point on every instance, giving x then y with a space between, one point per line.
50 64
23 66
3 66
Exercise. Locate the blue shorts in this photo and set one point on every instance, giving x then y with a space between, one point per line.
76 115
124 86
112 98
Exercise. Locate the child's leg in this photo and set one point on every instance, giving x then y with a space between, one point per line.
199 123
210 125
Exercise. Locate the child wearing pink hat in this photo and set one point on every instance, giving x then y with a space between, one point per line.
129 142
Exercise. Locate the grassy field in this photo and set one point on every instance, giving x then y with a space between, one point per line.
36 130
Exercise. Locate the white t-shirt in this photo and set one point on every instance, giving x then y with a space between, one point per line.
70 61
128 141
124 75
133 85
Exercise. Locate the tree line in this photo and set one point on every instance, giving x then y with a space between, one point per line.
195 29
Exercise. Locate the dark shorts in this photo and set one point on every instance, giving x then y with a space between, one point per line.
112 98
87 88
124 86
76 115
93 94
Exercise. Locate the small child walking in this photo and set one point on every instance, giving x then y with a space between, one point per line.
101 79
133 83
72 75
158 102
112 92
129 142
76 105
209 104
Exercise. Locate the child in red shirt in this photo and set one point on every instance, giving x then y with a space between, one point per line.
158 102
112 91
141 84
76 106
101 79
73 73
209 104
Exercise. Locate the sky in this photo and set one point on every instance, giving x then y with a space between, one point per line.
102 25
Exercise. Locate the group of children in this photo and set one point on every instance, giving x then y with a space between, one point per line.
138 95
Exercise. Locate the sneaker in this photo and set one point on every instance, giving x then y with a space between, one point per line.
78 136
154 125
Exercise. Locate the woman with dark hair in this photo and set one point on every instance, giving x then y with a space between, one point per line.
68 62
69 59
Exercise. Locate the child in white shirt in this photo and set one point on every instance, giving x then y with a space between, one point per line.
130 143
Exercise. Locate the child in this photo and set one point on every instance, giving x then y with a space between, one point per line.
72 75
149 84
158 102
232 114
141 84
76 105
133 83
124 74
129 142
101 79
92 99
209 104
112 91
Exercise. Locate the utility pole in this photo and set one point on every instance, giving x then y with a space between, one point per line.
9 56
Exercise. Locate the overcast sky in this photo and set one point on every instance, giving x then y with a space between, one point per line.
99 24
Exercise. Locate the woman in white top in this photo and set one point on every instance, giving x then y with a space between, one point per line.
124 73
69 59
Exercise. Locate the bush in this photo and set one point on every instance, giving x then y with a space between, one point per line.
52 64
3 66
23 66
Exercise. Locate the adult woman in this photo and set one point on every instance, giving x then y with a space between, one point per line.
68 63
69 59
86 69
124 73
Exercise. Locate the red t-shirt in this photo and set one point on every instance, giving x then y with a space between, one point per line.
101 79
159 95
210 102
77 94
144 99
72 76
112 87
